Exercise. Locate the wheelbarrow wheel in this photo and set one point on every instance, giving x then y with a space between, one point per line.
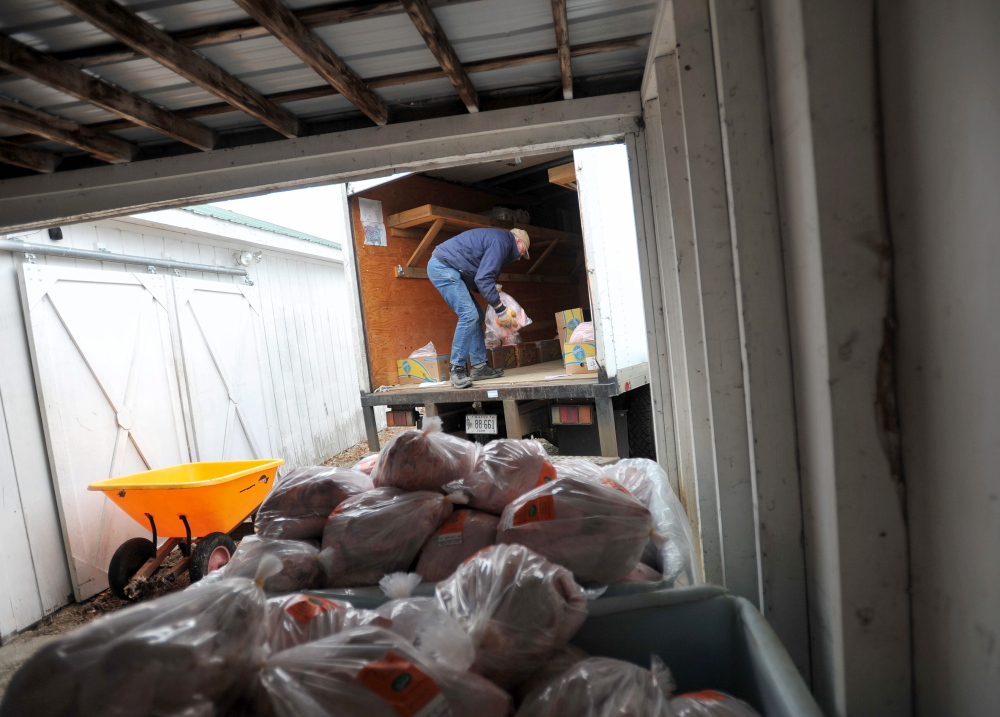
126 562
211 553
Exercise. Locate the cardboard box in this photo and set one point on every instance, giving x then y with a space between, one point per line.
504 357
527 354
423 370
566 321
549 350
580 358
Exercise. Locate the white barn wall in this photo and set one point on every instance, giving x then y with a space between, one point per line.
310 347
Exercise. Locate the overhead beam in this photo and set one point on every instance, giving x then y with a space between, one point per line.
402 78
437 42
281 22
114 190
123 24
100 145
562 45
411 272
28 158
25 61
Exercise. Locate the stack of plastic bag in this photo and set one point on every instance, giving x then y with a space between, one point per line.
424 459
518 608
596 529
298 506
673 552
298 563
380 532
370 672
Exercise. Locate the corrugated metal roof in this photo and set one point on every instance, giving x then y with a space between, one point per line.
237 218
373 47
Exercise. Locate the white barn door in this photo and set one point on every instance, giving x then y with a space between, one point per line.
232 407
105 374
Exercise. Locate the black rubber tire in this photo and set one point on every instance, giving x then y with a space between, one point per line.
198 567
641 443
130 556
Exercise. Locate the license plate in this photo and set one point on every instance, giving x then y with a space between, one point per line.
481 423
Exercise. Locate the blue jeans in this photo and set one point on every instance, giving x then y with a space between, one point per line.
468 341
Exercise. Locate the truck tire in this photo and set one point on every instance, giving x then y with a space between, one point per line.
640 424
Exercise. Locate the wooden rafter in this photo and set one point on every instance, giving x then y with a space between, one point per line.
284 25
24 61
309 93
564 175
562 44
98 144
412 272
425 242
28 158
430 29
123 24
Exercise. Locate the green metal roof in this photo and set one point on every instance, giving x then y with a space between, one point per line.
236 218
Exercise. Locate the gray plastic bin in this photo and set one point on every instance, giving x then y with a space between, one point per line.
708 638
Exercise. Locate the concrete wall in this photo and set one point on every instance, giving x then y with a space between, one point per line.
940 66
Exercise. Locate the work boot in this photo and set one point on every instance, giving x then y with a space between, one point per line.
460 379
484 372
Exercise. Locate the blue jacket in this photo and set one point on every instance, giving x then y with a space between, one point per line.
479 255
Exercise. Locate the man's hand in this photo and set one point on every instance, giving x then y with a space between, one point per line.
506 317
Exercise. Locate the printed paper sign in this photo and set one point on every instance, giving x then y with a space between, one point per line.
375 234
371 211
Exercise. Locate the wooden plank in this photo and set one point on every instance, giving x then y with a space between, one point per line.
606 427
401 78
562 43
548 250
437 42
24 61
468 220
564 175
409 272
100 145
293 34
426 241
122 23
28 158
512 419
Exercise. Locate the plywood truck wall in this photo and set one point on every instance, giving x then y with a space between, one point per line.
402 315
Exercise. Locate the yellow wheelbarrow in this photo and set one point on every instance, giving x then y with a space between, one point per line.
195 505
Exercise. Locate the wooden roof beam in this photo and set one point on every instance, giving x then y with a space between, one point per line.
427 25
100 145
284 25
24 61
28 158
123 24
562 43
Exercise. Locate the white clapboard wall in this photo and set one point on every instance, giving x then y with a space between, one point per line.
306 355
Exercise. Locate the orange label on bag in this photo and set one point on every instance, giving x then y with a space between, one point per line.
305 607
614 484
402 685
536 511
705 696
451 531
547 475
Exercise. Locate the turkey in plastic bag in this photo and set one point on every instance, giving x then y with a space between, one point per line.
425 459
296 619
300 567
366 465
503 333
709 703
597 530
425 351
674 546
603 687
642 573
179 654
423 622
554 666
371 672
380 532
298 506
517 607
464 534
579 468
505 470
583 332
